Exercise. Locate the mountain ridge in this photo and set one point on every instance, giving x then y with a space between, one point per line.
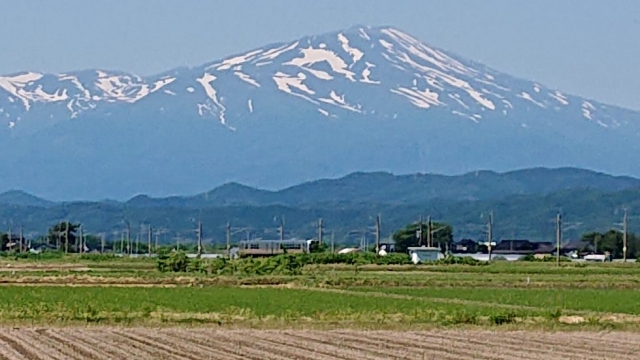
378 188
361 99
516 216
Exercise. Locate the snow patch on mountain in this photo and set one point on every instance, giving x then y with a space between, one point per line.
560 97
311 56
211 92
246 78
350 71
356 54
238 60
527 96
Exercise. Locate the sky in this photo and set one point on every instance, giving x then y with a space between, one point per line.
583 47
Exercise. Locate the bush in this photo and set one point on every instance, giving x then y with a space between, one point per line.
502 319
174 262
546 259
457 260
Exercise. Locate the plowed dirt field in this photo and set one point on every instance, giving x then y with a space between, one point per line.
201 343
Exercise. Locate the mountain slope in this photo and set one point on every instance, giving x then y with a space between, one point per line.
362 99
20 198
380 188
385 188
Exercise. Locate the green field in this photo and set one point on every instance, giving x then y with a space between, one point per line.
126 291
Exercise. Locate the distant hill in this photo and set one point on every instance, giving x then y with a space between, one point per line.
385 188
524 204
21 198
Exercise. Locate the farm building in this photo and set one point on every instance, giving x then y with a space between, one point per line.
424 254
261 247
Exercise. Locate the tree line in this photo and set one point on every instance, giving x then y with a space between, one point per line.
69 237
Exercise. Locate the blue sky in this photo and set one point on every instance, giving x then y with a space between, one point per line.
584 47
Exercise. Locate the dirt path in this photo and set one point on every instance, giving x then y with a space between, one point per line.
101 343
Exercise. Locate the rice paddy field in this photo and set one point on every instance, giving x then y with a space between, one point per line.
123 308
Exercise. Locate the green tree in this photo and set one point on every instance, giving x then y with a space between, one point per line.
4 240
64 232
410 236
613 242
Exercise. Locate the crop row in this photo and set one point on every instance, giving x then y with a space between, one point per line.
191 344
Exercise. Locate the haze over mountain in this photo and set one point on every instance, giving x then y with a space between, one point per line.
362 99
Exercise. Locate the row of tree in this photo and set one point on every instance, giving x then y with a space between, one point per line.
69 237
612 241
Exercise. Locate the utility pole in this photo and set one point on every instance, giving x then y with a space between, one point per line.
333 242
228 238
378 225
558 237
624 236
21 239
490 235
320 231
199 238
282 229
10 235
101 243
429 232
149 236
122 243
157 239
81 250
420 231
66 237
129 238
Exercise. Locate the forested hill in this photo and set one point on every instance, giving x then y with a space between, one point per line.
385 188
524 204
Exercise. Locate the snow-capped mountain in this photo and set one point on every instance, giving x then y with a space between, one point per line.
360 99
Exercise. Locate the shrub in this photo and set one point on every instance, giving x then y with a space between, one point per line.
457 260
175 262
502 319
546 259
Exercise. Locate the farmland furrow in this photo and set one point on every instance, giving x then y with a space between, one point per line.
311 350
99 340
598 337
154 348
7 352
214 351
287 348
247 341
510 346
169 338
458 351
70 348
480 340
44 345
210 340
361 351
18 345
384 346
597 348
550 344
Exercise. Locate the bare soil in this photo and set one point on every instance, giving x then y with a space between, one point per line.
206 343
